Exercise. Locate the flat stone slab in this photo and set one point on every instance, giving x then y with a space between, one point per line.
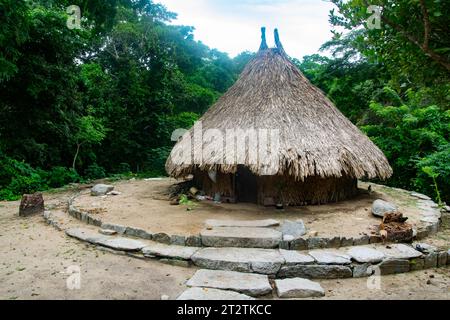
121 244
169 251
315 271
294 257
420 196
400 251
330 257
298 288
238 223
243 237
366 255
293 229
264 261
251 284
210 294
86 235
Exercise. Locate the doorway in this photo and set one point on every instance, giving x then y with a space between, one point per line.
246 185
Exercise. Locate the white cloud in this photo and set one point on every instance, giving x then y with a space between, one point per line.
234 26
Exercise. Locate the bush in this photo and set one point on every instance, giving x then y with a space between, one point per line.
61 176
94 171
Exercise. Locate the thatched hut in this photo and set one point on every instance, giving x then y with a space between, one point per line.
316 154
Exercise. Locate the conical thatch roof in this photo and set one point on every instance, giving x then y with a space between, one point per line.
316 139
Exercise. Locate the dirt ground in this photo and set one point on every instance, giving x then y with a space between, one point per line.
35 257
144 204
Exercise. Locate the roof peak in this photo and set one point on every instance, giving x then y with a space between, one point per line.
264 45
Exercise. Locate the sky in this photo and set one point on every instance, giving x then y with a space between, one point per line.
233 26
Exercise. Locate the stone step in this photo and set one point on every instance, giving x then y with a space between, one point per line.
243 237
264 261
298 288
116 243
242 223
254 285
210 294
169 251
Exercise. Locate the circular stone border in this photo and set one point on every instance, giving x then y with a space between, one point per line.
430 223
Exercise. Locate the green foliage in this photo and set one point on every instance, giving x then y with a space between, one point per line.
60 176
94 171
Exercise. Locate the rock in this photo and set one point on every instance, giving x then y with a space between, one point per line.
194 241
375 239
299 244
107 232
114 193
346 242
298 288
315 271
121 244
394 266
431 260
31 204
366 255
334 242
362 270
361 241
165 297
400 251
288 238
442 259
417 264
120 229
161 238
446 208
101 190
420 196
317 243
295 229
243 237
330 257
294 257
209 294
263 261
178 240
238 223
169 251
380 208
138 233
431 220
424 248
251 284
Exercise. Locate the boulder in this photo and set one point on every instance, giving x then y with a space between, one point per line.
101 190
31 204
381 207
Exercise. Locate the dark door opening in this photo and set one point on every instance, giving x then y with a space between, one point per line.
246 185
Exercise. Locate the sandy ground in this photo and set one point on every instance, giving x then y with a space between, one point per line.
145 205
34 258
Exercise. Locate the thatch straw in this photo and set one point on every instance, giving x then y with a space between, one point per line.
316 139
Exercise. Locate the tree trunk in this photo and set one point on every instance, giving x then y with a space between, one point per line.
76 156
